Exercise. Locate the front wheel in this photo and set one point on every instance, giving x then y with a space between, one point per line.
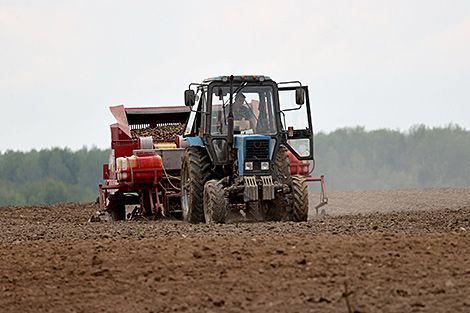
277 209
256 211
215 204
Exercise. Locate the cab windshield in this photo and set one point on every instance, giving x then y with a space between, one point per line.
253 110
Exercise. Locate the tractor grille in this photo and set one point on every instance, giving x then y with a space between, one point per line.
257 149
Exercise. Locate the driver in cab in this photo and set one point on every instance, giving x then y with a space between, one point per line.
242 114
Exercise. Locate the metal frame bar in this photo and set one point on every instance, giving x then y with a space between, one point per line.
323 197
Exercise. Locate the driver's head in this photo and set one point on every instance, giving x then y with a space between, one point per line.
239 98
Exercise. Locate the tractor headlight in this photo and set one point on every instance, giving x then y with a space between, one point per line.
248 166
264 166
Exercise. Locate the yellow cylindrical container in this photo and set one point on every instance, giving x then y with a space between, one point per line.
165 145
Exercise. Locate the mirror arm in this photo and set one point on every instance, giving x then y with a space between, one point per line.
291 82
293 109
196 84
284 117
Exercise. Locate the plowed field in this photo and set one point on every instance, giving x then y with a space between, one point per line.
402 250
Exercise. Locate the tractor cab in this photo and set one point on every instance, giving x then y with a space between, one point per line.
233 107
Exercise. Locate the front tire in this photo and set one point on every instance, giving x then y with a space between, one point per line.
278 208
256 211
215 204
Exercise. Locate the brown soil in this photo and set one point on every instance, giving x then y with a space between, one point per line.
376 251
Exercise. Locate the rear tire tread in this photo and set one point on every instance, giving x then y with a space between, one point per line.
300 198
197 163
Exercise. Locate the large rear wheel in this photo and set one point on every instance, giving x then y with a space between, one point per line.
195 171
282 163
299 198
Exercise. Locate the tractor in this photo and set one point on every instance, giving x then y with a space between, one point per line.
242 132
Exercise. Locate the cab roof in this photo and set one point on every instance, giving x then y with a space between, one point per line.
237 78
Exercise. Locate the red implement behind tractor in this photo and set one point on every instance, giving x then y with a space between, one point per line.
143 174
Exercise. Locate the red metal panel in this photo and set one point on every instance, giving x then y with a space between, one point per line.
105 171
297 166
121 150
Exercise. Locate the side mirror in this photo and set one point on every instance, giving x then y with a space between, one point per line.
220 94
299 96
189 97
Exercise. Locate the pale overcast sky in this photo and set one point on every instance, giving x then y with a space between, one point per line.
372 63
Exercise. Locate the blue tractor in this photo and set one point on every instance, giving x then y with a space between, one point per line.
241 130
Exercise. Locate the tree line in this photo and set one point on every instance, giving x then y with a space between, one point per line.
353 158
50 176
350 158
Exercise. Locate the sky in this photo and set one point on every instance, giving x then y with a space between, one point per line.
370 63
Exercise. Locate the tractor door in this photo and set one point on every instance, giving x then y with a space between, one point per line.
296 121
196 117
